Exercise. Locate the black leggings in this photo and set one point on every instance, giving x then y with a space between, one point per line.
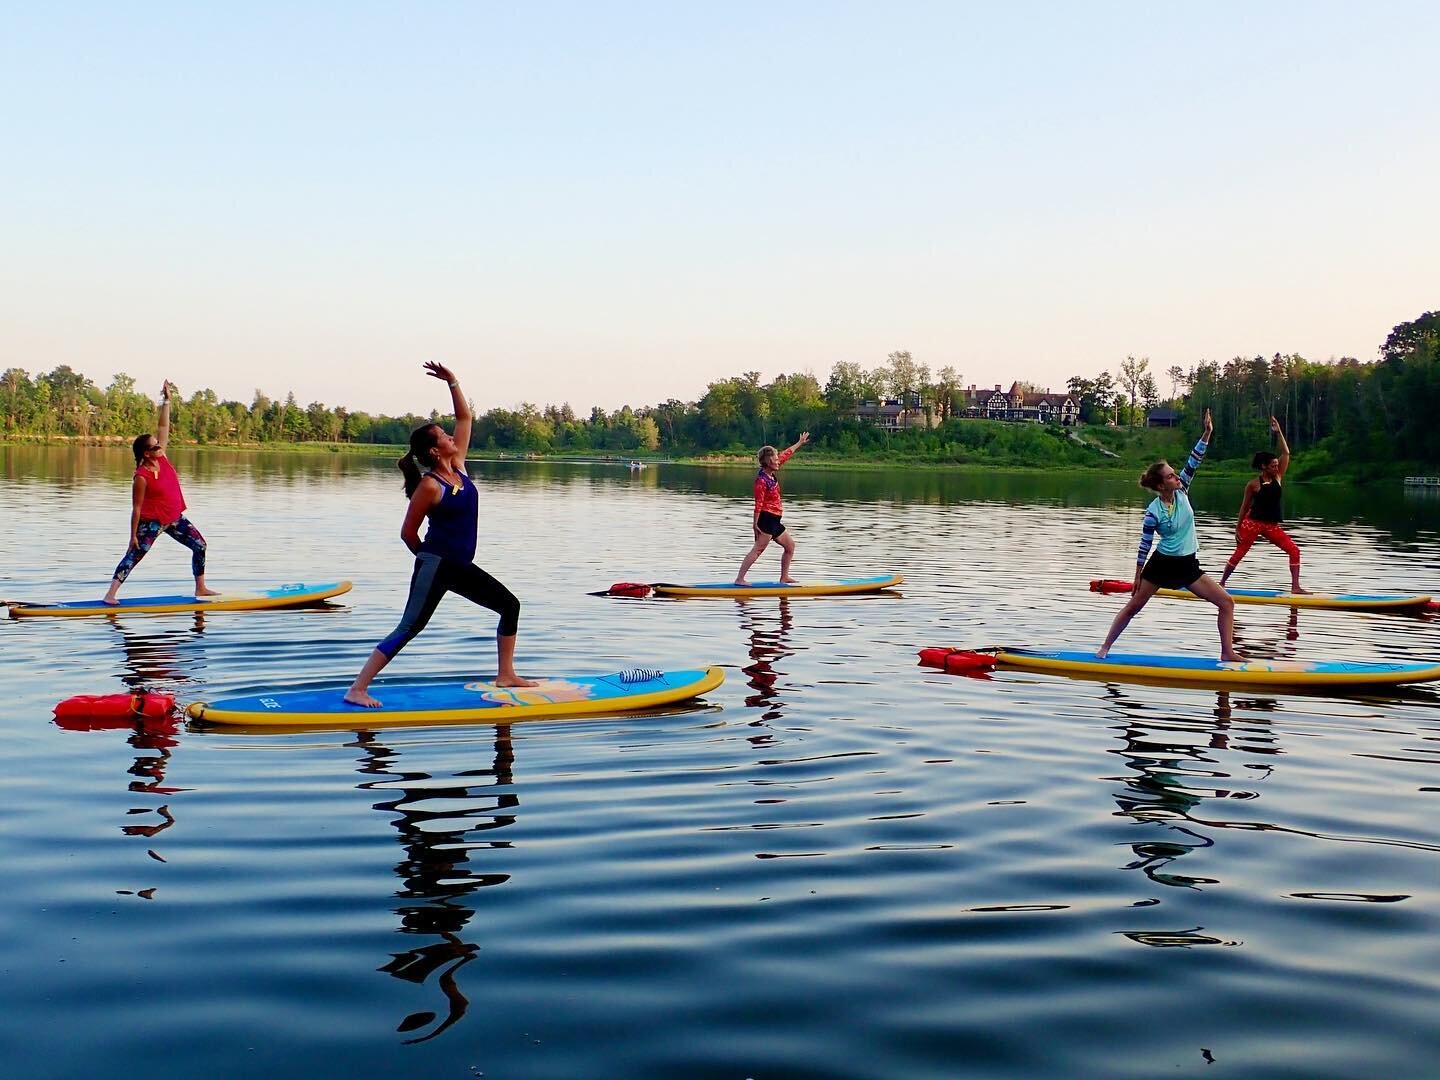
432 579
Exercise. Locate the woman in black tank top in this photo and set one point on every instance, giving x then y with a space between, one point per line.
1260 511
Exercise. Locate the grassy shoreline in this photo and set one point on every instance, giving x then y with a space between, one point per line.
1311 467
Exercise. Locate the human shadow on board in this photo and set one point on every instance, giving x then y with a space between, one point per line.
435 870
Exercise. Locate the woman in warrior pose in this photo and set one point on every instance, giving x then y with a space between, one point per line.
158 506
439 489
1175 564
765 520
1260 512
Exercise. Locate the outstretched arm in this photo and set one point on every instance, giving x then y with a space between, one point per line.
804 438
1197 455
162 421
461 409
1284 446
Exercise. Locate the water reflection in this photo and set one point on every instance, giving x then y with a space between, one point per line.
152 661
1170 759
435 872
152 658
767 632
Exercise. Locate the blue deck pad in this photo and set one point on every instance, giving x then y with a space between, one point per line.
295 593
461 695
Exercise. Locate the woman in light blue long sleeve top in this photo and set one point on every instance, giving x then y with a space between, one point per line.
1175 564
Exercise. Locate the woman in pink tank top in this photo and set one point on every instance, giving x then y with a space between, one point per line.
158 506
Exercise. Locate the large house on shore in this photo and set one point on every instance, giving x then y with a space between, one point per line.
1016 404
974 404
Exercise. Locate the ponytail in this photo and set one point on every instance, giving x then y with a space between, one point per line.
422 441
137 447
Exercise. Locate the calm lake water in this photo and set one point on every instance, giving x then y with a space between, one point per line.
841 865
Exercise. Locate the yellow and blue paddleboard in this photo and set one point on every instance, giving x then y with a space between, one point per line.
1334 601
282 596
1187 669
728 589
470 700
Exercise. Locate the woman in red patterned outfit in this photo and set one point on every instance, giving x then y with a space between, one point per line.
1260 512
158 506
766 519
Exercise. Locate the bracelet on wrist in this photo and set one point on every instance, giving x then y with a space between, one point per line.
454 384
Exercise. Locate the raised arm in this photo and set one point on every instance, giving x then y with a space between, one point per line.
162 421
1197 455
459 406
1284 446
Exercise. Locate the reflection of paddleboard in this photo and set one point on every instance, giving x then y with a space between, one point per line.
1341 601
281 597
1297 673
435 702
836 587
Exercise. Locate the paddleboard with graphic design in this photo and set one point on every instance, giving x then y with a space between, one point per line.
464 700
282 596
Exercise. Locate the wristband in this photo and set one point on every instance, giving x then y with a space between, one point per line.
453 385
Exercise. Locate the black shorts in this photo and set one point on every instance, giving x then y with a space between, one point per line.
770 523
1173 571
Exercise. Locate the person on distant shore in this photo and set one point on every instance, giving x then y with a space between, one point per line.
1260 512
158 506
1175 564
439 489
766 517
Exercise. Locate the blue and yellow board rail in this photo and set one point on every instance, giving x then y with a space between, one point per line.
462 701
1331 601
728 589
1208 672
282 596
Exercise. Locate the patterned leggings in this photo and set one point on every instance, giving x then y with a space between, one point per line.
146 535
1251 530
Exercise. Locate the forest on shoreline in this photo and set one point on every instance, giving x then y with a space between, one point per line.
1345 417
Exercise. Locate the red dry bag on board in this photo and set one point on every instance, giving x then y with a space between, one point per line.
637 589
116 706
957 661
1112 585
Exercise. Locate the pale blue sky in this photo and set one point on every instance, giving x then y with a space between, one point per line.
617 203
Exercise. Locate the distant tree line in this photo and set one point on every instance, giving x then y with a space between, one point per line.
1353 410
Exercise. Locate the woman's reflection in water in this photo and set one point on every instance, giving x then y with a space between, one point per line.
152 662
768 631
1166 756
435 872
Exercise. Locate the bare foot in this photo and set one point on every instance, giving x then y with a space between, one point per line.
109 601
788 581
741 583
1100 653
514 681
361 698
207 592
1298 591
1233 657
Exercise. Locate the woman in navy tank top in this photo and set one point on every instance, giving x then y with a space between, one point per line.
439 489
